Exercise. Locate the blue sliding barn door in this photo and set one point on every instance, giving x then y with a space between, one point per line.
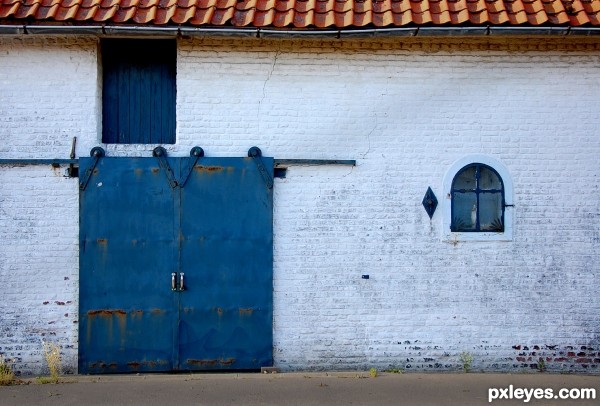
227 239
172 277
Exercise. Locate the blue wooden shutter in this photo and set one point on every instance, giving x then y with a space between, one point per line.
138 94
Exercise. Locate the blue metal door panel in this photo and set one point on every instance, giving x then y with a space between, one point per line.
227 256
136 230
128 313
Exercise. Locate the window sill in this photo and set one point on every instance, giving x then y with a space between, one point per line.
452 237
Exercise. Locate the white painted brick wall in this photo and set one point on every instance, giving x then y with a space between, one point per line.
405 116
38 266
48 95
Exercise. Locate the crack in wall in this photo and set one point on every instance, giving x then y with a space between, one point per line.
369 137
264 93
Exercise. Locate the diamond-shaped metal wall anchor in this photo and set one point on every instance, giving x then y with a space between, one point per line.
430 202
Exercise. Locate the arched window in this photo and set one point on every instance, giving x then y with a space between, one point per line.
477 198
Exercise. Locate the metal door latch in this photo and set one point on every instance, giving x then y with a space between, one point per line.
174 282
181 286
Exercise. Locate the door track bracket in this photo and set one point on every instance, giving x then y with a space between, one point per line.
161 154
256 154
96 153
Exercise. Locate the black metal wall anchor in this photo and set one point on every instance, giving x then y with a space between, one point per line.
95 153
255 153
430 202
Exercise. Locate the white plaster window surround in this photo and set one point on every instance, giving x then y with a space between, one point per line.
451 236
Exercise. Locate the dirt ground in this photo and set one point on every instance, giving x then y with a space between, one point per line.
341 388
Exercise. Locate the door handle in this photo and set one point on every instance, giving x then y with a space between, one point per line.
181 286
173 281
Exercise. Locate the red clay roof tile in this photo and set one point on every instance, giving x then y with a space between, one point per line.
476 6
341 6
245 5
579 19
203 16
559 18
85 13
104 14
591 6
263 18
164 15
145 15
222 16
495 6
66 13
537 18
439 7
308 13
9 10
123 15
152 3
324 6
46 12
419 6
265 5
498 18
304 6
440 18
26 11
365 6
553 7
284 5
183 15
284 18
242 18
301 20
227 4
361 19
421 18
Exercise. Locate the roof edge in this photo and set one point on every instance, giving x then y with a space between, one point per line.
153 31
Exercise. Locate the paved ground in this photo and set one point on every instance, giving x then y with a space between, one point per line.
294 389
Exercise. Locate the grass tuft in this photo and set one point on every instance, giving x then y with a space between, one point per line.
53 359
7 375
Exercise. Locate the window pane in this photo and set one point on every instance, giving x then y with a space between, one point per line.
465 179
488 179
464 207
490 212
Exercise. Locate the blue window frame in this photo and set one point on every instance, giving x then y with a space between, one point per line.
477 196
138 92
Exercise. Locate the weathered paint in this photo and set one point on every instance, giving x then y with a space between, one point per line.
226 252
120 281
217 230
